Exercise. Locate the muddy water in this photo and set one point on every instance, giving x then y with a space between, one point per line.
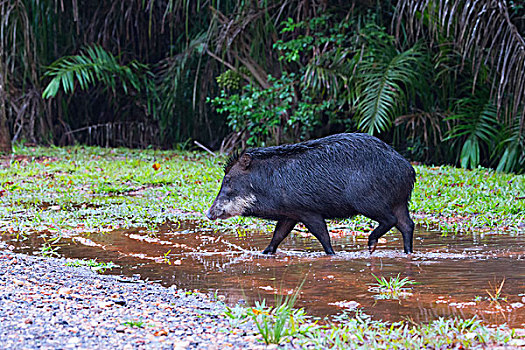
453 274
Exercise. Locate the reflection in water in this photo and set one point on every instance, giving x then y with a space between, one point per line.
453 273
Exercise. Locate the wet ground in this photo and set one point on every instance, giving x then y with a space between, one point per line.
455 275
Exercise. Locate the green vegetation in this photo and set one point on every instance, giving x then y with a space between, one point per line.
93 189
440 80
134 324
279 322
392 288
90 189
275 324
360 331
454 200
48 250
97 266
495 295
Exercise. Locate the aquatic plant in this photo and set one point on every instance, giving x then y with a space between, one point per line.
49 247
166 259
495 296
392 288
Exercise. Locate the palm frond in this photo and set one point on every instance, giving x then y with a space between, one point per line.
428 125
476 125
96 65
512 150
483 33
329 73
174 72
385 81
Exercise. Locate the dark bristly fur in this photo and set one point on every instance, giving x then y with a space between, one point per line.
231 161
338 176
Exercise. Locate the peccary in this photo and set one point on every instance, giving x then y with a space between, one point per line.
338 176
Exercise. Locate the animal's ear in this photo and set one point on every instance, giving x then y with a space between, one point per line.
244 161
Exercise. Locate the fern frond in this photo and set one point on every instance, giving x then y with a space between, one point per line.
330 72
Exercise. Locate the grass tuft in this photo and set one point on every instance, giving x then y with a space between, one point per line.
392 288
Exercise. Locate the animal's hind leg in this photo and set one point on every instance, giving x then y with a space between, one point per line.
386 222
406 226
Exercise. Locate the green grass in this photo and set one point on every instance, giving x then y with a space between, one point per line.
92 189
282 324
49 247
97 266
275 324
134 324
495 295
458 200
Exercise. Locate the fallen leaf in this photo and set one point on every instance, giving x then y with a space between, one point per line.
258 312
161 332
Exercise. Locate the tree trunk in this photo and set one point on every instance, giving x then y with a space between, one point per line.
5 137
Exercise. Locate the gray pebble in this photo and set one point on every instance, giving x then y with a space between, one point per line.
47 305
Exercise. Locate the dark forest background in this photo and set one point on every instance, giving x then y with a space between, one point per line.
442 81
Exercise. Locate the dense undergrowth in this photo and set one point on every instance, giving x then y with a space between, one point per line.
440 80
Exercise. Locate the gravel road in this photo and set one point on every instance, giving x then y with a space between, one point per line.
47 305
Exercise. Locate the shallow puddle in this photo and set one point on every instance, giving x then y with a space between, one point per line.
454 275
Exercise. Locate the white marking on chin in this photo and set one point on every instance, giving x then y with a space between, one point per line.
238 205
